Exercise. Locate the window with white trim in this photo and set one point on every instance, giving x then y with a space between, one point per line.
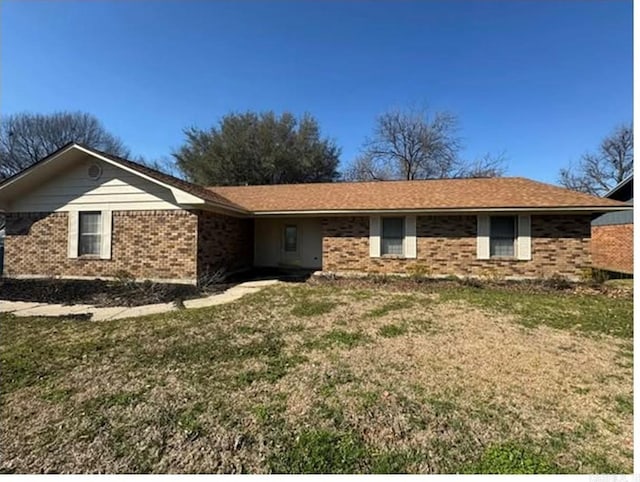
502 237
392 236
89 234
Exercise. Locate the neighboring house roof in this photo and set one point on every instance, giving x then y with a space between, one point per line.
623 191
438 194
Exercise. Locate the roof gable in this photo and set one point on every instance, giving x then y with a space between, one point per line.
184 192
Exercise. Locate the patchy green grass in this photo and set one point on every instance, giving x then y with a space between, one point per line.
337 452
624 403
320 452
395 305
315 379
391 330
512 458
586 313
337 338
312 308
626 283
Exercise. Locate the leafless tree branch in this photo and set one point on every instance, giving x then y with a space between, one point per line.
26 138
598 172
415 144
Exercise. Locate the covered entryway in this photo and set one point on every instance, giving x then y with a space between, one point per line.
287 242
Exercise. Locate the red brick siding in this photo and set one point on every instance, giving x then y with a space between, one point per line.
224 241
612 247
145 244
446 245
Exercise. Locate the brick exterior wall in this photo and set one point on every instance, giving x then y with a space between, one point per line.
184 245
224 241
145 244
612 247
446 245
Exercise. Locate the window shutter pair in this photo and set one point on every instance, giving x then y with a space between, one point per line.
523 240
410 239
105 234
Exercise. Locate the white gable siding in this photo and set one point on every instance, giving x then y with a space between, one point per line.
115 190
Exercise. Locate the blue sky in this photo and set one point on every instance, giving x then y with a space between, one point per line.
542 81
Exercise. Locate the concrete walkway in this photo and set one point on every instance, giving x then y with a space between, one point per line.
23 308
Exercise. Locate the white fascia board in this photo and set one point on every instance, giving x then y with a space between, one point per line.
183 197
365 212
219 208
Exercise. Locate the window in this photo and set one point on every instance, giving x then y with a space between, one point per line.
392 236
503 236
90 235
291 239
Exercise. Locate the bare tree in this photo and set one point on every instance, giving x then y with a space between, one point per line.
162 164
26 138
413 144
599 172
365 168
489 165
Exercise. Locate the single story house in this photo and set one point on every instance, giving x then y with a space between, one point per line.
612 233
81 213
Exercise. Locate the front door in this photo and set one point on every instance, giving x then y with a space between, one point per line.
290 245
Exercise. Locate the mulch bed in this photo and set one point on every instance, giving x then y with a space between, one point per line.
100 292
127 292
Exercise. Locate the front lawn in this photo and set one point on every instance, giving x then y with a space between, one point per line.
327 377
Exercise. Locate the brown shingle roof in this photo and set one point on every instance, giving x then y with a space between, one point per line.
506 192
444 194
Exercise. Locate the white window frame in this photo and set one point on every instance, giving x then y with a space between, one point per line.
409 240
99 234
73 241
522 243
401 238
514 237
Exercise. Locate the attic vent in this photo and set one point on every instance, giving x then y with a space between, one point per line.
94 171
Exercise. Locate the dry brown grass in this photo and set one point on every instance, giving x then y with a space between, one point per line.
238 388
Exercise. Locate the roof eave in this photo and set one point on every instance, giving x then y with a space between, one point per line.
543 209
